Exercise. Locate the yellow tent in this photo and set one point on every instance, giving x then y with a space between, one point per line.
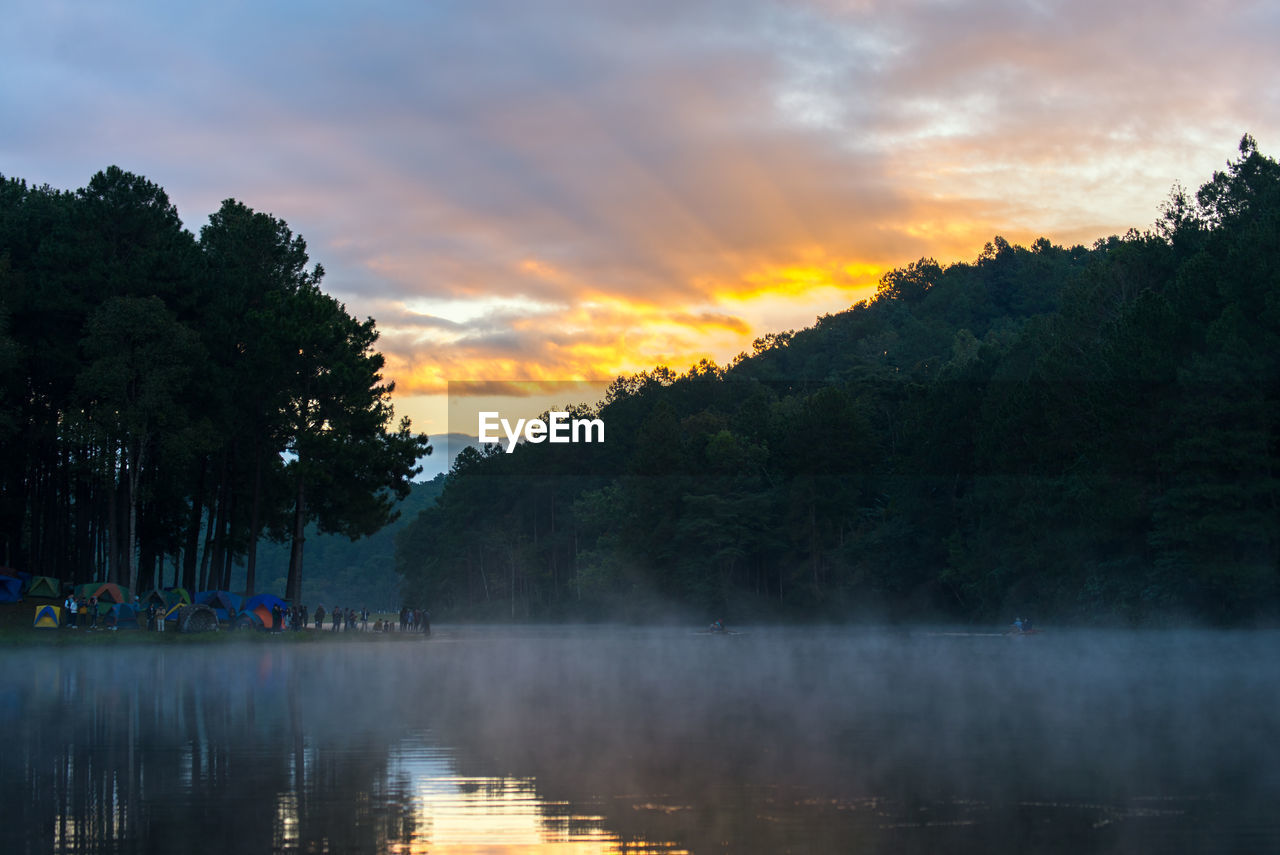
48 617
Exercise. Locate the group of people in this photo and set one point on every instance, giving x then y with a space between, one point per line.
415 620
84 611
297 618
340 618
1020 625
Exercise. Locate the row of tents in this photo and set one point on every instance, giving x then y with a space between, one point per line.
14 585
117 604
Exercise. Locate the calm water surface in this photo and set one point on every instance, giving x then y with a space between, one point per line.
621 740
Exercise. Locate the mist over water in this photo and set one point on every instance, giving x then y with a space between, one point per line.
589 739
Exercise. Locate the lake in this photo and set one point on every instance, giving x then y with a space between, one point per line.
607 739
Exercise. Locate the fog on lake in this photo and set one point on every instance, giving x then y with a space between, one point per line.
609 739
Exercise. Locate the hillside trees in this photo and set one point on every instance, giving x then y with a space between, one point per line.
1088 433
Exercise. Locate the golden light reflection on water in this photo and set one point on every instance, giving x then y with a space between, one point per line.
465 815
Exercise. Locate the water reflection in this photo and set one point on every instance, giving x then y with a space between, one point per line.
607 740
456 813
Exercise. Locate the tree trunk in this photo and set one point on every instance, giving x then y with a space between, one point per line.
83 554
131 542
293 586
228 554
219 542
113 525
255 521
203 582
192 546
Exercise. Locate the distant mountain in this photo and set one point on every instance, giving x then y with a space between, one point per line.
445 450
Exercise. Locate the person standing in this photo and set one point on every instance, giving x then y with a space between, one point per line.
337 617
73 612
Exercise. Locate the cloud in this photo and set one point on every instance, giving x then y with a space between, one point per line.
571 189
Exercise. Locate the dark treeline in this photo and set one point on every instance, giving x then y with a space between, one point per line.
1089 434
167 401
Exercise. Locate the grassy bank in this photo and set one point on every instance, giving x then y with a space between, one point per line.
16 630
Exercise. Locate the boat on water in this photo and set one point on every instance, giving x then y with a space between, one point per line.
718 628
1021 627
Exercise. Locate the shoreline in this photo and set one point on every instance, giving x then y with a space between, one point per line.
16 630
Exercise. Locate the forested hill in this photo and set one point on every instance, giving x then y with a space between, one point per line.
1070 433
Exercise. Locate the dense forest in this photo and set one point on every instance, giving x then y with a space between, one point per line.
167 401
1078 433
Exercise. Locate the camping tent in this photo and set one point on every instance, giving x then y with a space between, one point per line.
260 605
47 617
107 592
223 603
198 618
164 600
111 592
126 616
44 586
10 589
247 620
23 577
182 594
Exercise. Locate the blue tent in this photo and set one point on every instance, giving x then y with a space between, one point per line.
248 620
260 605
267 600
10 589
223 603
126 616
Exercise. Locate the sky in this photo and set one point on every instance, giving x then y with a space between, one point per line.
553 190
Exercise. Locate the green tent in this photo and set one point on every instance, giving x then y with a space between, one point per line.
164 600
44 586
85 590
106 592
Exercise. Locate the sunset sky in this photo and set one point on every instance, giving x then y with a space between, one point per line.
569 190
